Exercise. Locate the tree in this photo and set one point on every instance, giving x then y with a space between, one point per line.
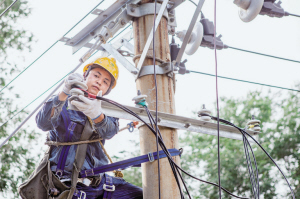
15 161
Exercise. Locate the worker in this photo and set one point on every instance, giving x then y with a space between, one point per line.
99 78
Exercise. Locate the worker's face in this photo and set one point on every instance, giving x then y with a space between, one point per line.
98 79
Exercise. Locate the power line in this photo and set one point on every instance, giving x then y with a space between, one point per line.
245 81
257 53
50 47
294 15
11 5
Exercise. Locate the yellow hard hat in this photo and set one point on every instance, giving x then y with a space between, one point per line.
108 64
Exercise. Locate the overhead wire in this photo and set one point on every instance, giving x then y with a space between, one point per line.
50 47
294 15
153 52
257 53
11 5
217 97
245 81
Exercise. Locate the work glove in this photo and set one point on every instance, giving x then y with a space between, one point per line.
90 107
76 80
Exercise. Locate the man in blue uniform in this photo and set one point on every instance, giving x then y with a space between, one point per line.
66 125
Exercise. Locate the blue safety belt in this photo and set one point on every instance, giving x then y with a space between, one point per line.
69 127
108 187
132 162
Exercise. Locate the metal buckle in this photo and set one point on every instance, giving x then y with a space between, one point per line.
89 172
59 173
108 187
151 157
82 193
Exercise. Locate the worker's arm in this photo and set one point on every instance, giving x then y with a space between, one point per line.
49 113
108 127
48 116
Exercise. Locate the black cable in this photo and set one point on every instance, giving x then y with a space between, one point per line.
152 119
162 145
244 132
217 96
153 43
254 181
11 5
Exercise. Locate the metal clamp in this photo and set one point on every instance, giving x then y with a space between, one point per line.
108 187
151 157
82 193
135 10
59 172
165 68
89 172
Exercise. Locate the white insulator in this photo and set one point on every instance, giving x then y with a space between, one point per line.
254 125
195 38
249 9
204 111
139 98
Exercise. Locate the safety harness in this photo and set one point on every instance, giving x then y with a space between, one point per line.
108 186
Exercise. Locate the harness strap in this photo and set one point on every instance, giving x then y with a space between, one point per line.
132 162
79 157
108 187
69 127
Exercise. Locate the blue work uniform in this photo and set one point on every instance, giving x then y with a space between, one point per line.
95 155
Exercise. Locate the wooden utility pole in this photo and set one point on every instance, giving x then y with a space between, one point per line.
165 85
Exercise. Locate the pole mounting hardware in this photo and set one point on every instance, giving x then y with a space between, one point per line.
135 10
165 68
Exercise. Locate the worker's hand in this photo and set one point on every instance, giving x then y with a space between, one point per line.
90 107
76 80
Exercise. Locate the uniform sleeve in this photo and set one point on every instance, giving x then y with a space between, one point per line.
108 127
44 120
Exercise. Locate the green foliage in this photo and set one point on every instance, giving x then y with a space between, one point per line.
17 160
11 36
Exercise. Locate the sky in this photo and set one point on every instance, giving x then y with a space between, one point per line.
50 20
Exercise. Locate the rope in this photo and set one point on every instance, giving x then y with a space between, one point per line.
117 173
240 80
49 48
71 143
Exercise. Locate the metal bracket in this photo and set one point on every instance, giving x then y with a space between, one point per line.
131 68
177 122
135 10
150 37
97 12
189 32
164 68
127 45
151 157
172 22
